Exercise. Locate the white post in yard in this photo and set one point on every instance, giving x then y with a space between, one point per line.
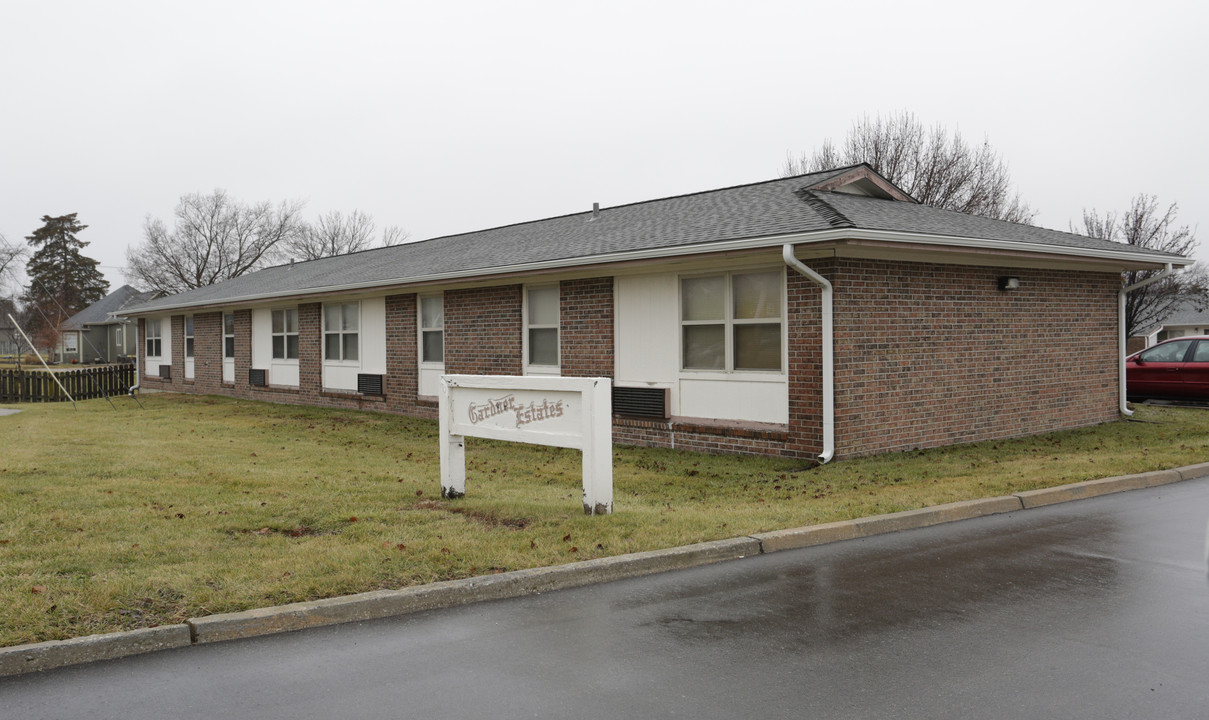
453 451
598 447
557 411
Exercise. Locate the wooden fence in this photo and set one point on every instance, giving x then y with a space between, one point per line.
83 384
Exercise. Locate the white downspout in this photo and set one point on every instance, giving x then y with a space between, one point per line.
1121 330
828 352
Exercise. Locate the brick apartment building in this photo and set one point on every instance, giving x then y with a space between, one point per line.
708 311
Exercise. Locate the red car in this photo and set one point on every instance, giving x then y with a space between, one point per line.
1174 369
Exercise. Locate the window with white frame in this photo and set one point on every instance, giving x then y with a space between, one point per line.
432 329
188 336
541 325
341 340
154 334
285 334
732 321
228 336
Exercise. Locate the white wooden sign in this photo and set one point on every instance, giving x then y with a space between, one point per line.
563 412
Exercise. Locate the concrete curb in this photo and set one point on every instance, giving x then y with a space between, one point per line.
57 653
1093 488
451 593
879 524
386 603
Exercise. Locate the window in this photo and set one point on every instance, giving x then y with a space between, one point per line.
1172 352
228 336
154 338
432 327
731 321
285 334
340 338
541 325
188 336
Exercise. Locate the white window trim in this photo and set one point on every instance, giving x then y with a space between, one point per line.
189 335
420 330
729 372
531 369
323 333
157 337
285 335
225 357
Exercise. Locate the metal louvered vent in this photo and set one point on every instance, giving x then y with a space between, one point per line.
369 384
165 372
257 378
644 402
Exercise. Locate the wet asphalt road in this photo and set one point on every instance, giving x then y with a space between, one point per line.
1094 609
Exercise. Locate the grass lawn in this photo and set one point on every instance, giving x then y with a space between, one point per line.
114 520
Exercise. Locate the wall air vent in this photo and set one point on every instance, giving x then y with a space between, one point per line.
258 378
165 372
369 384
645 402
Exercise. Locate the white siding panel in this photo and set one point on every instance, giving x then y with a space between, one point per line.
430 381
373 337
648 330
262 339
753 400
283 373
340 377
153 364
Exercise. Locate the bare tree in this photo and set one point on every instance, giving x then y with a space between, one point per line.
11 259
1145 225
335 233
394 235
213 238
933 166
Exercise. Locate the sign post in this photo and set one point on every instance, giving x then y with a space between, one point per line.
562 412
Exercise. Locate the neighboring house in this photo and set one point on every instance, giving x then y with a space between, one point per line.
1188 319
95 334
10 339
705 310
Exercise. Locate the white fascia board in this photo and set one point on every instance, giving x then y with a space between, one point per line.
774 241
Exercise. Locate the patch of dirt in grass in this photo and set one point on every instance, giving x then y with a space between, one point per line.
487 519
300 531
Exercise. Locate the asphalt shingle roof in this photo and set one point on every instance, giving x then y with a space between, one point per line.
768 209
98 312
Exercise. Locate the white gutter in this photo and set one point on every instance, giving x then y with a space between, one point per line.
674 252
1121 339
828 351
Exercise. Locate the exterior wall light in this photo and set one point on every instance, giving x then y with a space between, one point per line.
1009 283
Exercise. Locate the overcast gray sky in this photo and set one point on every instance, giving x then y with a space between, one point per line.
449 117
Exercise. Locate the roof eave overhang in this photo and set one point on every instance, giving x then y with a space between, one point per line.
1129 259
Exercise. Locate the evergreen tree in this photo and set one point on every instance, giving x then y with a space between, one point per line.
62 282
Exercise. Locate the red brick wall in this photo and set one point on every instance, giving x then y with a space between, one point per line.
929 355
178 348
804 315
586 327
207 352
483 331
310 352
243 351
925 355
402 381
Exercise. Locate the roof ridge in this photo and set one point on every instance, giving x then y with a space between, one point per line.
832 171
834 217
